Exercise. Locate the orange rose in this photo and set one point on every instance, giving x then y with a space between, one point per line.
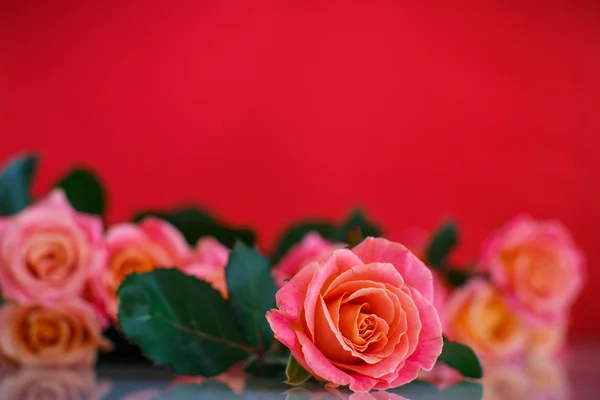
35 336
140 248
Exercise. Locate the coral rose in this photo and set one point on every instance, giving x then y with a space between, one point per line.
141 248
312 248
363 318
48 251
538 264
63 336
478 315
208 262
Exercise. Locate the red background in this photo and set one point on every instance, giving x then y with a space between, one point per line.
270 112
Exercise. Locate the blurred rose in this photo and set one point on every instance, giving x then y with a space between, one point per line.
208 262
235 379
141 248
312 248
48 251
478 315
51 384
61 336
537 263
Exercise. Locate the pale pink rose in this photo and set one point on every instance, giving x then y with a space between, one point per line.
64 335
48 251
140 248
312 248
208 262
363 318
52 384
478 315
537 264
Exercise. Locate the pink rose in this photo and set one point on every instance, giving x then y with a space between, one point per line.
141 248
364 317
478 315
538 264
48 251
312 248
208 262
64 335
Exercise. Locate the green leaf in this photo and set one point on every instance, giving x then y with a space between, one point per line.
15 184
251 293
297 232
194 223
296 374
84 191
180 322
461 358
445 239
356 220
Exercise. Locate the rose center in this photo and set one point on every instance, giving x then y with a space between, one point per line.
51 258
129 261
367 324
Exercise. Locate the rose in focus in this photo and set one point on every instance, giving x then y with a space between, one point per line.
363 317
537 264
64 335
141 248
312 248
48 252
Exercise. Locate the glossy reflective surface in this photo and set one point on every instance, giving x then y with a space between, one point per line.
575 376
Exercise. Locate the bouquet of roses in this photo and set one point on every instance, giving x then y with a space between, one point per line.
335 302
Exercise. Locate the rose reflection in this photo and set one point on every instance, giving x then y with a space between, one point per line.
51 384
538 378
333 394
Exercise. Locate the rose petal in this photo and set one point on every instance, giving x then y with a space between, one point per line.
415 273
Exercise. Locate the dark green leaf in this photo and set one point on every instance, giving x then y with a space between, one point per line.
251 293
457 278
194 223
296 374
15 184
84 191
356 220
297 232
441 244
180 322
461 358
